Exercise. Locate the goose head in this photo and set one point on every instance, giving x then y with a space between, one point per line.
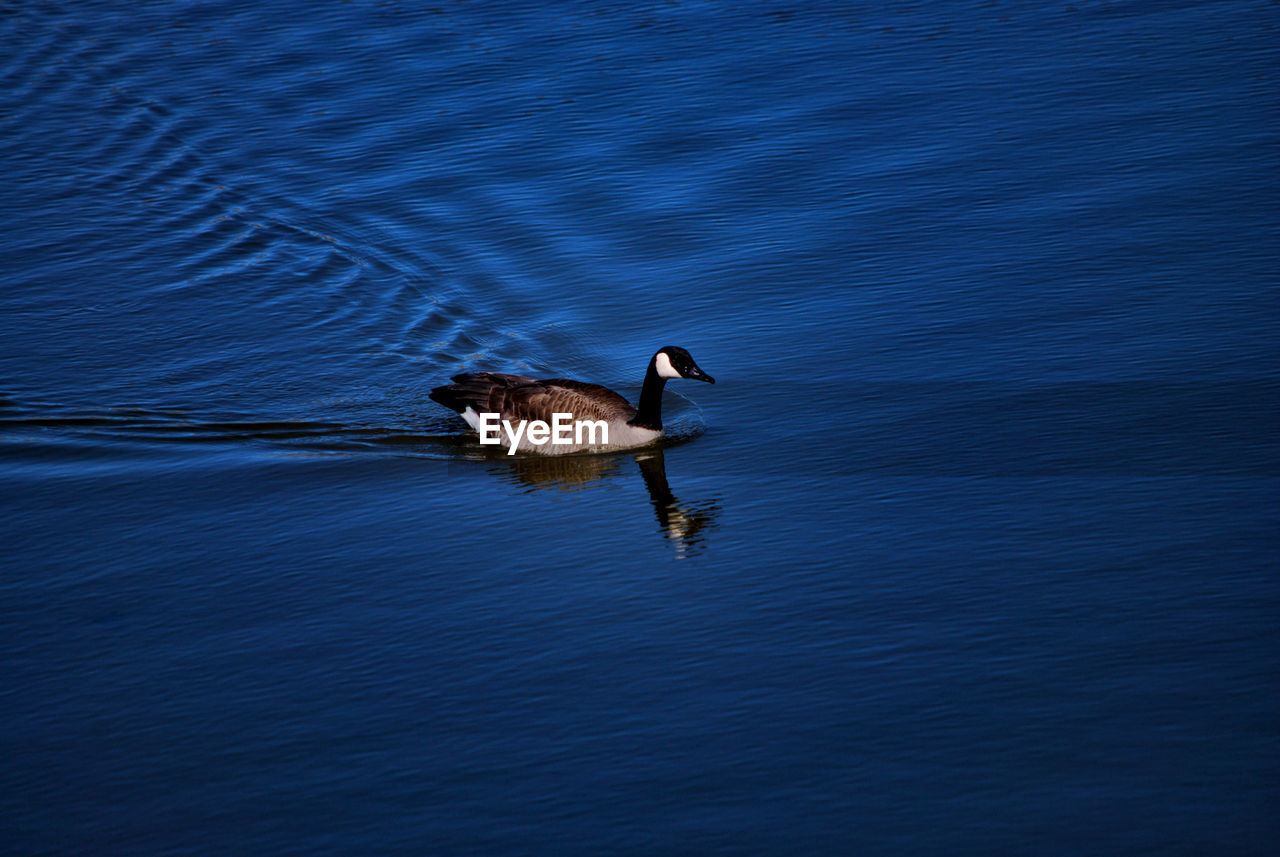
673 361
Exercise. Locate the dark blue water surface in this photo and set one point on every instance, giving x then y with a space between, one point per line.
972 549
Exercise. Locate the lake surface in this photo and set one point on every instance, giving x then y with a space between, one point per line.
971 549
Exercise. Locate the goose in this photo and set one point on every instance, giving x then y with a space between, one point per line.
518 402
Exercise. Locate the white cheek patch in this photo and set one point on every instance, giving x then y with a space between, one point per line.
663 364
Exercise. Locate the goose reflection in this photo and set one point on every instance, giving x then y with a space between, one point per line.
682 524
685 525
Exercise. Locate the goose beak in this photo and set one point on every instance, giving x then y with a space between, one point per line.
696 374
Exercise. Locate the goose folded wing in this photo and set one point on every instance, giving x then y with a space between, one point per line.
483 392
542 399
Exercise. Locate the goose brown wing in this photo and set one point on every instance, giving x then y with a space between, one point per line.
583 400
483 392
515 397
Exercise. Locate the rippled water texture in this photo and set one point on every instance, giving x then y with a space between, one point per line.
971 549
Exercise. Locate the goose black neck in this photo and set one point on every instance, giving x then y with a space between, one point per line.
649 413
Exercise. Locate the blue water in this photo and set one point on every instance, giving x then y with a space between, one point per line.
971 549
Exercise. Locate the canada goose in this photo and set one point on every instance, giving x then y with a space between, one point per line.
501 406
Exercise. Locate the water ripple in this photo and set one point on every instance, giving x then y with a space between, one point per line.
207 242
